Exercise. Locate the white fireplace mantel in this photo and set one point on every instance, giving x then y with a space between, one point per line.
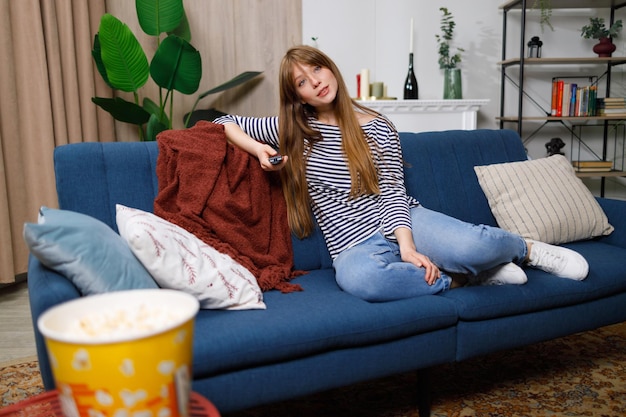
429 115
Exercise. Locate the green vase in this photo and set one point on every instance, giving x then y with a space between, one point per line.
452 86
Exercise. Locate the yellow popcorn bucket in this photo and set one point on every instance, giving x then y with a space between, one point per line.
125 353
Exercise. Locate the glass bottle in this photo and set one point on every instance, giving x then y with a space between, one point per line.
410 85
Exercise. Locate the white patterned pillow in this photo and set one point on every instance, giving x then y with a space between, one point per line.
542 199
178 260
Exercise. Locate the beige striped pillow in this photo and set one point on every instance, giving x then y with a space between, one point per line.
542 199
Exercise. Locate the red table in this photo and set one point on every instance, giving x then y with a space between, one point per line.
47 405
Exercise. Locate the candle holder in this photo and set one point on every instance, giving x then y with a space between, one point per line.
534 47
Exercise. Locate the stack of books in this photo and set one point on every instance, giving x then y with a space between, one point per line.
612 106
572 99
592 166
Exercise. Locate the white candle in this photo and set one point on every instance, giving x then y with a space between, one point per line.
411 38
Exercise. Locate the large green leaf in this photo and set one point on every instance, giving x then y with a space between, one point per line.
234 82
176 65
239 79
183 30
153 108
158 16
125 61
154 127
97 57
122 110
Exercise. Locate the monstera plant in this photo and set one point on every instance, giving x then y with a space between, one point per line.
175 66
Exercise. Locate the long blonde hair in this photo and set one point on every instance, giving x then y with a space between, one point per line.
297 138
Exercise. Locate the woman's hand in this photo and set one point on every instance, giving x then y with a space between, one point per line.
431 273
408 253
239 138
264 153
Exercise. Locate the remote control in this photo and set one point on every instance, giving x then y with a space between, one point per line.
276 159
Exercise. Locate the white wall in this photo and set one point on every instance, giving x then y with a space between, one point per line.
374 34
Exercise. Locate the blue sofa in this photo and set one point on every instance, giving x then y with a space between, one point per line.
322 337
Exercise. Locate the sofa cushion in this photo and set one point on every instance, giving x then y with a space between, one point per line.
86 251
544 291
439 169
543 200
319 319
92 177
179 260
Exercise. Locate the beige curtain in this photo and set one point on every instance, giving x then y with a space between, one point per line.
47 80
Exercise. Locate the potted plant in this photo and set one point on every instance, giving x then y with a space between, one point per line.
596 29
448 61
175 66
545 10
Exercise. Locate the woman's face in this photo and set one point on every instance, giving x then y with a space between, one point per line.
316 85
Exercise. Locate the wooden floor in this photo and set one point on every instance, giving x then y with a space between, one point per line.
16 329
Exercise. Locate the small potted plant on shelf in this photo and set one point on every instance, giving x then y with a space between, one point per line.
447 61
596 29
545 8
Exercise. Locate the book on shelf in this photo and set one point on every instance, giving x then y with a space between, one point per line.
612 106
593 169
571 99
592 166
619 100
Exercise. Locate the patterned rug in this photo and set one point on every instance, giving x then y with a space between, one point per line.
579 375
19 379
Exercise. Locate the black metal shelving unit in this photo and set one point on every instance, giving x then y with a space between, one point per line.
605 65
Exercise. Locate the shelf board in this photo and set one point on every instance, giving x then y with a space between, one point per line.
564 61
567 4
601 174
558 119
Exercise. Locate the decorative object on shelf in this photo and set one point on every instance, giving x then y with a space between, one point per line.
554 146
604 48
364 84
175 66
411 91
452 79
596 29
377 89
534 47
545 8
452 84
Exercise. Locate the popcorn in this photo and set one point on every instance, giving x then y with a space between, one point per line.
123 322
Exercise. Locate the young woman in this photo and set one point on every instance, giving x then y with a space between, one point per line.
342 165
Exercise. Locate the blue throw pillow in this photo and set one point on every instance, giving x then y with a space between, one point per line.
86 251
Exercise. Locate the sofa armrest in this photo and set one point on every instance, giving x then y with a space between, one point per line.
614 210
46 289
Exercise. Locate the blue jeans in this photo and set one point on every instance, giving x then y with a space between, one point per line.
374 271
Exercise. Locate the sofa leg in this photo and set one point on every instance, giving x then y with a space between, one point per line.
424 392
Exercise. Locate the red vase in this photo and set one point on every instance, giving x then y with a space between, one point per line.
605 48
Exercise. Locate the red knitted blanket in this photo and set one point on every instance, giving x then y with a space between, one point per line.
220 194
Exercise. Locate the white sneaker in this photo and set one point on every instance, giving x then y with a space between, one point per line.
502 274
562 262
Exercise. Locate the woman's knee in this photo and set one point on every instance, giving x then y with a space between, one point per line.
359 279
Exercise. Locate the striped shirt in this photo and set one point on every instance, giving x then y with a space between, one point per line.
346 221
